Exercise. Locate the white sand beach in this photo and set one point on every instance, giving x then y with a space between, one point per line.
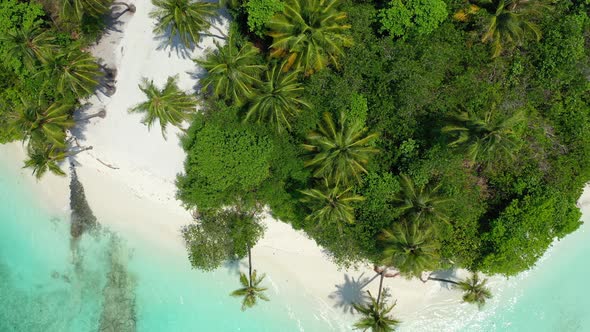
130 172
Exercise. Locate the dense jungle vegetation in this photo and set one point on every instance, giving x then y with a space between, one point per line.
416 134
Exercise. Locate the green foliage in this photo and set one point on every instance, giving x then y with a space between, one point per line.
260 12
310 34
220 236
232 71
475 290
182 19
168 105
525 229
226 160
376 316
251 290
331 205
402 18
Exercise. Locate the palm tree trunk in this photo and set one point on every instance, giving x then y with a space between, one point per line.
220 31
380 287
443 280
129 8
250 265
101 114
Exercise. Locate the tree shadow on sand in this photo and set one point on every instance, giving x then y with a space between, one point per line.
351 292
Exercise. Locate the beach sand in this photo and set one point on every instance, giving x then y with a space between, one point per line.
135 193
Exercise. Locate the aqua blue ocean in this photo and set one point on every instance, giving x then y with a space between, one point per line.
115 281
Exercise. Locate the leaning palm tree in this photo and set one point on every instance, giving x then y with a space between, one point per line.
43 158
508 22
29 45
421 204
486 138
251 290
72 71
168 105
44 124
376 316
409 248
278 99
74 10
232 71
331 204
183 19
310 34
474 290
340 152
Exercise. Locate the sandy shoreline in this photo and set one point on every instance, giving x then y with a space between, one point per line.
136 195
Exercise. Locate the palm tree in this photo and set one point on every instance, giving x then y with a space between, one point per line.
73 71
310 33
29 45
376 316
185 19
485 138
74 10
331 204
44 124
46 157
168 105
510 22
251 290
474 290
278 99
409 248
421 204
232 72
340 152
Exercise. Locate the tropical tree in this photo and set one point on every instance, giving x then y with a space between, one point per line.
278 99
340 152
409 248
331 204
46 157
168 105
508 23
485 139
376 316
232 71
28 45
74 10
423 203
72 71
44 124
251 290
474 289
310 34
183 19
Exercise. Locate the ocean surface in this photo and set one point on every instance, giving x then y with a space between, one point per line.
113 282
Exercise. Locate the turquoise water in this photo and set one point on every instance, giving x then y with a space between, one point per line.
119 283
115 283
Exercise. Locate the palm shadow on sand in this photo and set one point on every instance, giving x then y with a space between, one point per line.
351 292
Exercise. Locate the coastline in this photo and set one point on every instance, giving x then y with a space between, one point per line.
139 196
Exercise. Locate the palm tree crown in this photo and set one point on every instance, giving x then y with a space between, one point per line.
29 45
484 138
232 71
340 152
73 71
331 204
44 125
421 204
376 316
44 158
278 99
310 33
409 248
185 19
251 290
74 10
510 22
475 290
168 105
